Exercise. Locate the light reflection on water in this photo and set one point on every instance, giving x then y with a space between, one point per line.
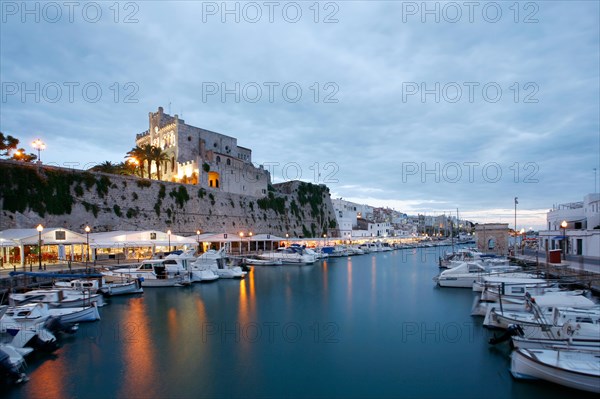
139 372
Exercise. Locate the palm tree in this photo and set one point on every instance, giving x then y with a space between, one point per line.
147 156
139 154
158 156
105 167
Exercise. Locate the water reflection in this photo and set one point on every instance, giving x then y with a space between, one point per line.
172 325
135 338
373 282
49 379
349 288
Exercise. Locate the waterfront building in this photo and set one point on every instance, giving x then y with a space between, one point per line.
347 215
198 156
492 238
581 233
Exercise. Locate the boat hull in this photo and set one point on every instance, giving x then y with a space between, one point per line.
539 364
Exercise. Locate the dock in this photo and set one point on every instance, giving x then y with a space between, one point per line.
583 270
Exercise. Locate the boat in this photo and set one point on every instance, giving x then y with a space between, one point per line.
64 315
126 287
573 299
12 363
571 368
543 318
217 263
497 316
33 326
294 254
459 256
262 262
467 273
155 273
57 297
335 251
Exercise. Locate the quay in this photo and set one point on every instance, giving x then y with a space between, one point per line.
10 283
583 269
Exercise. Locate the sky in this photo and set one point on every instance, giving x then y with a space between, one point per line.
421 107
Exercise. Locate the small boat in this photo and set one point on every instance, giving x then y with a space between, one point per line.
122 288
565 343
32 325
571 368
262 262
57 297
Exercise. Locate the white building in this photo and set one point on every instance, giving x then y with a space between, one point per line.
347 214
582 232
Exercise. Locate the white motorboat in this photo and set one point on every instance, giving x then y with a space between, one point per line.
262 262
32 326
571 368
335 251
57 297
355 250
123 287
216 262
64 315
155 273
294 254
468 273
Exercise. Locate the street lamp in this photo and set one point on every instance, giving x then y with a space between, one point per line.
324 239
169 236
39 145
564 227
87 251
40 228
198 239
241 241
249 239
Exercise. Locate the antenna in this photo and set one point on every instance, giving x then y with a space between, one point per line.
169 107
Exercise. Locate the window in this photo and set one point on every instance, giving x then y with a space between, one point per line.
218 159
228 161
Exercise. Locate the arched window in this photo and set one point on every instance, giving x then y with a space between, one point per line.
228 161
218 159
213 179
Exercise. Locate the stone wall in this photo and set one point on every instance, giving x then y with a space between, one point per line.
59 197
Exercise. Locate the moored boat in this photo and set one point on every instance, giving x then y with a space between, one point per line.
571 368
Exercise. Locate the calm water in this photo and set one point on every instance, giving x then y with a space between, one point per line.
368 326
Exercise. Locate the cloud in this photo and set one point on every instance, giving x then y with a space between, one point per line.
539 140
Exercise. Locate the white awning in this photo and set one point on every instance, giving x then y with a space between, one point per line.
148 238
50 236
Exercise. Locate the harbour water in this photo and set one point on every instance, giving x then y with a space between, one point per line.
367 326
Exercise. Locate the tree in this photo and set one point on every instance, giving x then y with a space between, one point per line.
139 154
21 155
106 167
7 144
158 156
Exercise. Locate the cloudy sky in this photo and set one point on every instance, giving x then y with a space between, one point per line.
423 107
